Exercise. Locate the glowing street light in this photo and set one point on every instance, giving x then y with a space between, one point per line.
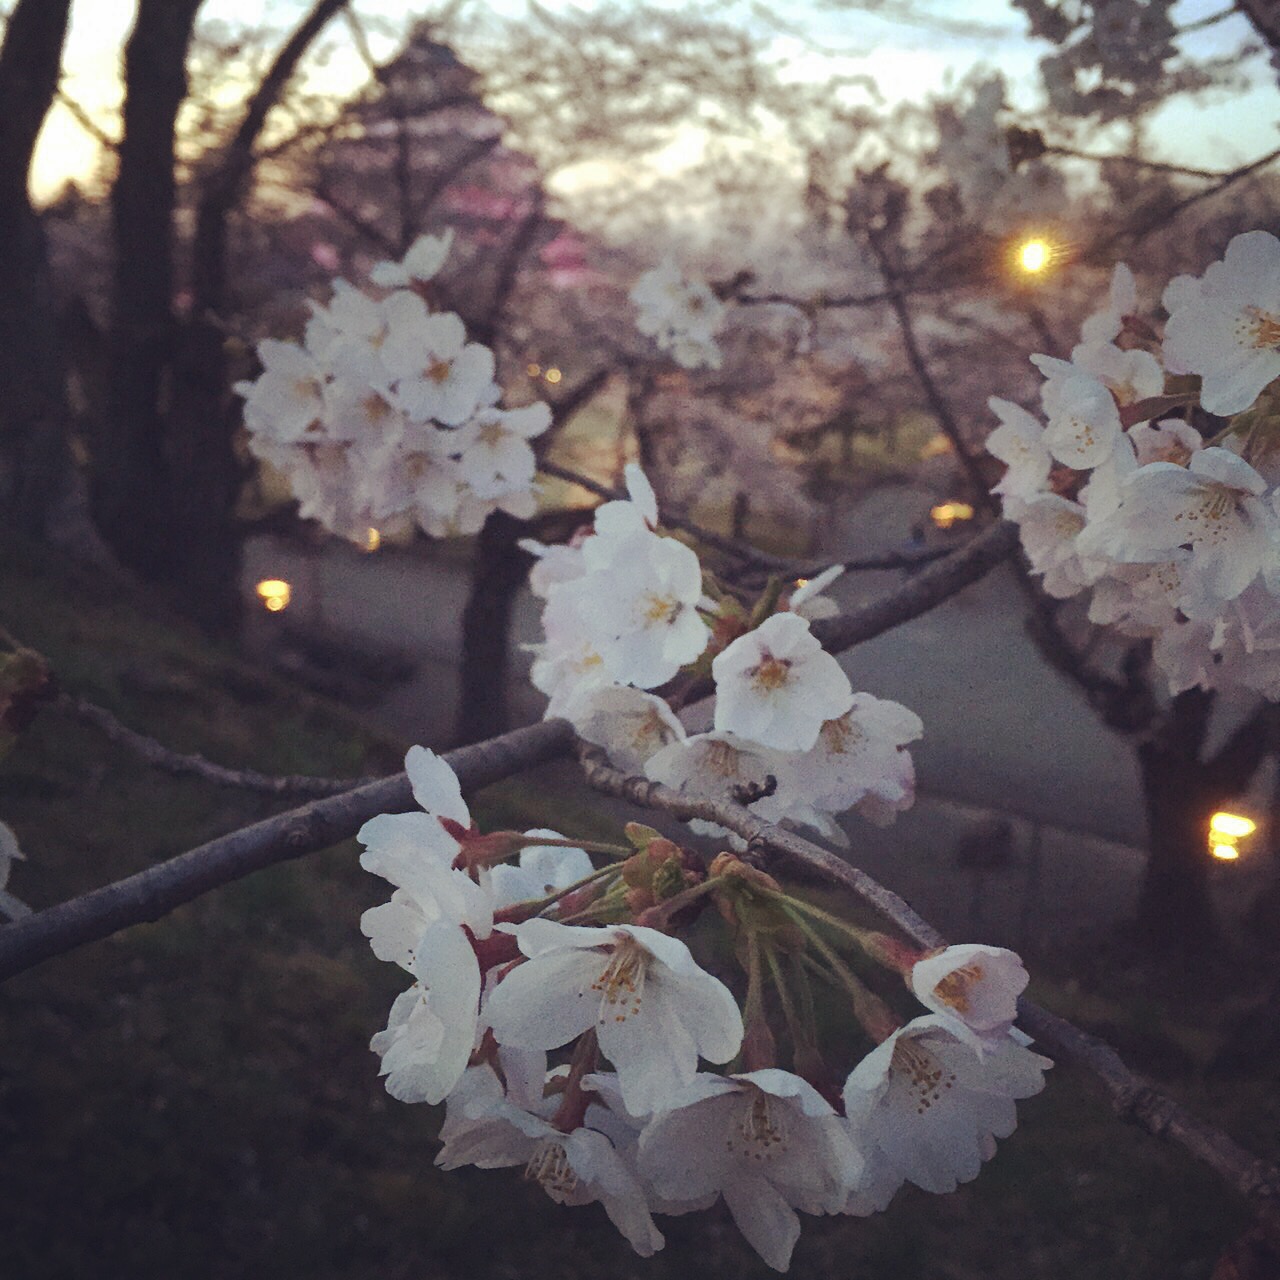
1233 826
945 514
1226 830
274 594
1034 255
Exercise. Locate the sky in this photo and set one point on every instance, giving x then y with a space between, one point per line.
907 61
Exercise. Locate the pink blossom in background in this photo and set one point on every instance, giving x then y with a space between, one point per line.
325 255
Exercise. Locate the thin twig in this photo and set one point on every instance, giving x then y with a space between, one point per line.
1134 1098
1159 166
938 403
751 557
87 122
158 756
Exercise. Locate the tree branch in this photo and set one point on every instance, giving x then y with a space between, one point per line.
152 893
158 756
938 403
1134 1098
751 557
155 892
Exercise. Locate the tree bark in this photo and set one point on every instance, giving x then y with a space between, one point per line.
1180 794
34 461
132 498
498 568
200 458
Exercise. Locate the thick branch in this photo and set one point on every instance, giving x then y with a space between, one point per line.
1135 1098
160 889
922 592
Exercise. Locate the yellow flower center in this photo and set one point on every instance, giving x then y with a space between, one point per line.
376 409
761 1131
621 984
438 371
549 1167
770 674
660 609
1261 329
953 990
840 736
925 1078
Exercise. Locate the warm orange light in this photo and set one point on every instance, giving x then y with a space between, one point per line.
553 375
274 594
372 540
1225 852
1034 255
945 514
1233 826
533 370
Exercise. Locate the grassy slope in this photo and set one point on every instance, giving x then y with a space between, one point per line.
196 1097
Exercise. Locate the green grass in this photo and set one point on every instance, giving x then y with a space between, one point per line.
196 1097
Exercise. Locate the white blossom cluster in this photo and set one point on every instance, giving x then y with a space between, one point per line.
680 314
511 961
973 151
1173 527
626 612
386 417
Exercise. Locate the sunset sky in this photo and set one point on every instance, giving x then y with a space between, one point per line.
906 59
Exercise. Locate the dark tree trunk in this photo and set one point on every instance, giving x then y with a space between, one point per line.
34 460
498 569
133 497
1180 794
199 456
1175 910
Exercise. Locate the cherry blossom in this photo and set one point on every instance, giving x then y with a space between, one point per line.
767 1142
681 315
777 686
423 261
485 1129
1209 512
1105 324
432 1026
654 1010
539 872
932 1097
649 627
1226 327
631 726
1018 442
976 984
1083 420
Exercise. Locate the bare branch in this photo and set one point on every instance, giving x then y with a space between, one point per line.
938 403
87 122
1140 162
922 592
158 756
1134 1097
